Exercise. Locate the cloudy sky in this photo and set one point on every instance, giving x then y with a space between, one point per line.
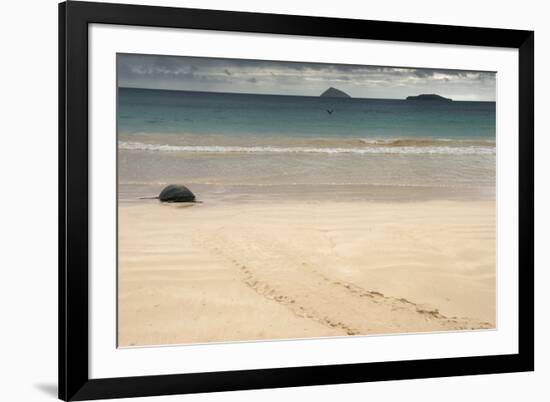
288 78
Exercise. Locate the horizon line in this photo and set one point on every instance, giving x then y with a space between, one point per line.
305 96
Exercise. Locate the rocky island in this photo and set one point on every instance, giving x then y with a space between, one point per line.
429 97
334 93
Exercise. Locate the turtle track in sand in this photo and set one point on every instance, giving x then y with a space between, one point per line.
277 272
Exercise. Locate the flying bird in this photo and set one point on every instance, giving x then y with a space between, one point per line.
329 111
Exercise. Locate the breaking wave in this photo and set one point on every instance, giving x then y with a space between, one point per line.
394 146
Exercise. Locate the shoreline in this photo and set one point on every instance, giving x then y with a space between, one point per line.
258 270
216 194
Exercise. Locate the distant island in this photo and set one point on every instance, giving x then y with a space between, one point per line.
429 97
334 93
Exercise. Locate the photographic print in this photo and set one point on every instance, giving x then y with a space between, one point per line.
268 200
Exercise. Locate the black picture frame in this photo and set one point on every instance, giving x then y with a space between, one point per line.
74 381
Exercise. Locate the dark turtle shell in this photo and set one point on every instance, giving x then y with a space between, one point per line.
176 193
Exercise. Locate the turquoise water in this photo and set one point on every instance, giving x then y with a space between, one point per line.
241 140
180 112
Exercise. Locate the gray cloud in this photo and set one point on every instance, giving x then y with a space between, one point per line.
292 78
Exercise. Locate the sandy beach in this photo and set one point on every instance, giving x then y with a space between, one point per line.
194 273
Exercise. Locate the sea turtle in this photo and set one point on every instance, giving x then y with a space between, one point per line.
176 193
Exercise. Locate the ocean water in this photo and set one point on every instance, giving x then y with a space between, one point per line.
239 145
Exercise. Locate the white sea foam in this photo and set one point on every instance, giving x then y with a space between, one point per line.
376 149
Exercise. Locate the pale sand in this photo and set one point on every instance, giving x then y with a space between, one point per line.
253 271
